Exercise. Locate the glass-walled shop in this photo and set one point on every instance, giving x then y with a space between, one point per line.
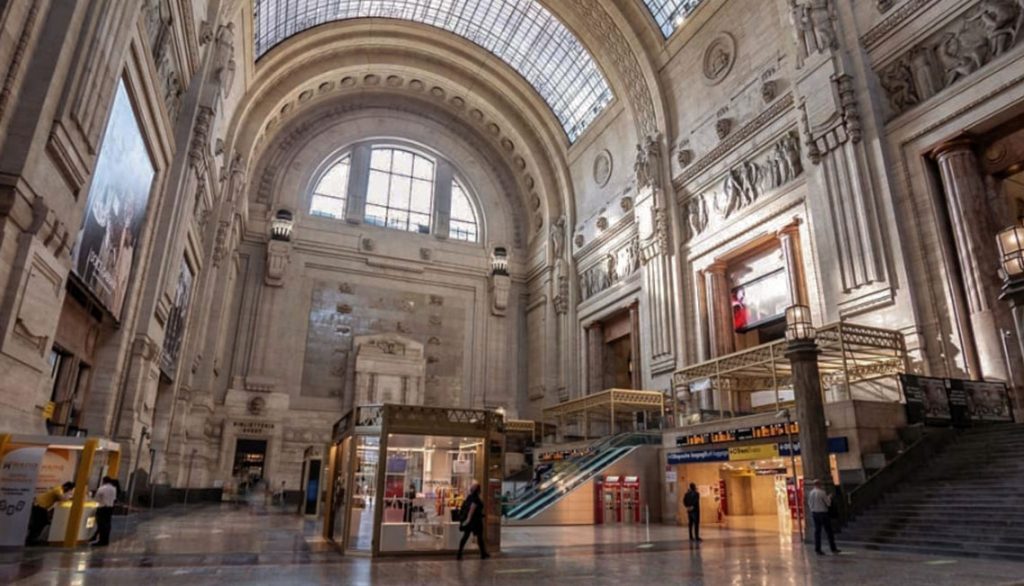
399 473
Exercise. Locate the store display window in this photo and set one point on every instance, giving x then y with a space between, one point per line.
398 481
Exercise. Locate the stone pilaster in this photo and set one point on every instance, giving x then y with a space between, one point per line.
595 358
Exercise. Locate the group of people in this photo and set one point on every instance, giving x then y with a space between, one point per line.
44 504
819 502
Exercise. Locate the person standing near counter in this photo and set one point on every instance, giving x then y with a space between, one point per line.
691 500
106 494
42 508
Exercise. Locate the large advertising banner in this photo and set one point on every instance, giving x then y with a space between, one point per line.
18 473
988 401
177 319
115 208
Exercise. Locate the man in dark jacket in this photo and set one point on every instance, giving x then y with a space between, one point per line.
691 500
471 521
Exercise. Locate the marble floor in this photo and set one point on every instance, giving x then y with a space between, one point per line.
253 545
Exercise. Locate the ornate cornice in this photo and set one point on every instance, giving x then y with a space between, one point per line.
892 22
733 140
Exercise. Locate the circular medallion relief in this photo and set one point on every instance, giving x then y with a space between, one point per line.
719 58
602 168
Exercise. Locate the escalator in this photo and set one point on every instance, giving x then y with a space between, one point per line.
573 473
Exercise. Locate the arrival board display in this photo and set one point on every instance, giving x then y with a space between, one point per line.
738 435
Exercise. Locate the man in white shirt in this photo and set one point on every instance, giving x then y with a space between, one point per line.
106 494
819 501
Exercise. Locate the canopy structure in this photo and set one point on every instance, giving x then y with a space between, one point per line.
850 354
608 409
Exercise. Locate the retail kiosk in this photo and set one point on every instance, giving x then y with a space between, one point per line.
83 460
397 475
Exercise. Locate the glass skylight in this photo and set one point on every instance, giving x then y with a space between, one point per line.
669 14
522 33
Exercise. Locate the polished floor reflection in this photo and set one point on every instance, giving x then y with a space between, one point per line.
254 545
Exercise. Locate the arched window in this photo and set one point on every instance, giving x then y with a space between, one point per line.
329 193
463 225
395 187
400 192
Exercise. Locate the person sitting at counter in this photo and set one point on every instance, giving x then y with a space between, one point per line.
42 510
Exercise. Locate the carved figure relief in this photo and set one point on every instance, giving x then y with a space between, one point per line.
616 266
814 26
578 240
769 90
602 168
647 167
723 126
626 203
745 183
719 58
602 223
952 53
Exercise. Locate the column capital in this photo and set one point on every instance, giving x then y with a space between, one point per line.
959 144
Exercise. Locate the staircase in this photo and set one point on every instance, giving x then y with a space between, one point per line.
968 501
573 473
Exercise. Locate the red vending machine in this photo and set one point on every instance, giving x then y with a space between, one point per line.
611 499
631 505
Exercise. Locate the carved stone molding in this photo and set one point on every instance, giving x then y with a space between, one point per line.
814 26
951 54
719 58
618 49
199 147
14 64
892 22
736 138
602 168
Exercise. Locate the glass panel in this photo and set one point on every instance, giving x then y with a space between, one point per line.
423 169
381 159
521 33
402 163
335 180
399 194
375 215
463 225
364 493
670 14
419 223
377 188
341 474
421 196
427 478
327 207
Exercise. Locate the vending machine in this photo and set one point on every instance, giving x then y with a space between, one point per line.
611 500
630 498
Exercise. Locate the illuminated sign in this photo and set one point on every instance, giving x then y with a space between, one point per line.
771 430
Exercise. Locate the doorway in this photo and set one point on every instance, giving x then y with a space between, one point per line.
250 459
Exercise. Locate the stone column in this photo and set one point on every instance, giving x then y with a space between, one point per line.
442 200
358 181
1013 294
972 233
595 358
636 381
810 415
789 240
719 319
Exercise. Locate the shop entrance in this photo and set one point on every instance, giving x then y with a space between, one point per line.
250 459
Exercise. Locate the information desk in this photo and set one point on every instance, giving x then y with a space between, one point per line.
61 514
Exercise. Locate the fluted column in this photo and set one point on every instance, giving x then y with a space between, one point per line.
720 337
595 358
972 233
789 241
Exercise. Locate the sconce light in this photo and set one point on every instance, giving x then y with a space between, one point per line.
281 226
799 327
1011 251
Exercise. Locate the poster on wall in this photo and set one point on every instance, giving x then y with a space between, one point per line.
988 401
760 301
18 473
174 333
115 209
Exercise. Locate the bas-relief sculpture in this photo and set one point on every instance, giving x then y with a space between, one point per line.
952 53
745 183
814 26
613 268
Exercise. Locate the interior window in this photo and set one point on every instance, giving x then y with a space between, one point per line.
329 194
463 224
400 193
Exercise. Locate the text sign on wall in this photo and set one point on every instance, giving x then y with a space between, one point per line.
253 427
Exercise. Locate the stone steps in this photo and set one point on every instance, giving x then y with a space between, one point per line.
969 501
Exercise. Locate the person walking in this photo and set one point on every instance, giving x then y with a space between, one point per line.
819 502
42 510
691 500
106 494
471 521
